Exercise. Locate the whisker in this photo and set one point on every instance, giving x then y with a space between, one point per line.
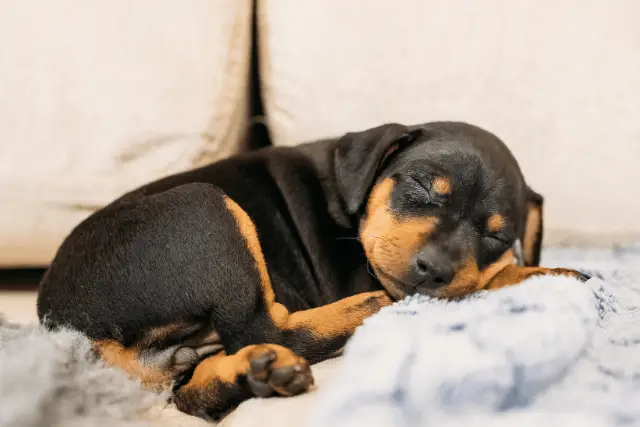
370 272
348 238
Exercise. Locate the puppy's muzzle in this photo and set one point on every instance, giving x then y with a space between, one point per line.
430 269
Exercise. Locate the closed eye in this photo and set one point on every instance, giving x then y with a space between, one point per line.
497 241
424 191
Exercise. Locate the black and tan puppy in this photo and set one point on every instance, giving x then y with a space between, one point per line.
232 278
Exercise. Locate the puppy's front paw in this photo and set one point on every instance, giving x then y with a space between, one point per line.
274 369
571 273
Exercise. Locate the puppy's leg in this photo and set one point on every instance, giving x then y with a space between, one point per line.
222 381
319 333
155 368
267 350
513 274
314 334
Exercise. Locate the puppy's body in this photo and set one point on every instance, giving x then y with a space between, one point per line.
239 273
184 219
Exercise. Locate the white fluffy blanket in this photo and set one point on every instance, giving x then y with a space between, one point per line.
551 352
51 379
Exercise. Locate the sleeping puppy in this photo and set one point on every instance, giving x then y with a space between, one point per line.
227 281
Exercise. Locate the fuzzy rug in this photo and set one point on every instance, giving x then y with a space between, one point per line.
552 351
51 379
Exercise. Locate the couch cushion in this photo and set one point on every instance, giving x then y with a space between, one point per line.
99 97
560 83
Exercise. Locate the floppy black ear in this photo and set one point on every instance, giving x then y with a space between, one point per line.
358 157
533 230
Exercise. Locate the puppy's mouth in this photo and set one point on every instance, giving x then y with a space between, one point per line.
396 287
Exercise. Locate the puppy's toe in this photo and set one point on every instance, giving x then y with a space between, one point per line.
278 370
583 277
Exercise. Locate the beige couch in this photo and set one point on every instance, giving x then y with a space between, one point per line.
97 97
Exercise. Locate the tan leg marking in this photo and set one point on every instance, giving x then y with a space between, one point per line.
341 317
334 319
128 359
268 368
513 274
227 369
501 273
470 279
248 230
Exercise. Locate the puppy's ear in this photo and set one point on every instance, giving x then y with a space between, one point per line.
358 157
533 230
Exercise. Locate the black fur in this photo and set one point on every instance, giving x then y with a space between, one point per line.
170 250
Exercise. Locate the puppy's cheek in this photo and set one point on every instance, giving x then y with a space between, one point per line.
470 279
374 231
465 281
393 289
373 243
487 275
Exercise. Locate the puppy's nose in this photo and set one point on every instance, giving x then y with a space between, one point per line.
432 269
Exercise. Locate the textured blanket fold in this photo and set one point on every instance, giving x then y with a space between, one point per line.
552 351
52 379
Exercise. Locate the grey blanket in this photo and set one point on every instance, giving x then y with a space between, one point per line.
52 379
550 352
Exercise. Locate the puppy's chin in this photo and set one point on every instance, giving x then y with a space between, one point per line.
398 291
455 292
394 289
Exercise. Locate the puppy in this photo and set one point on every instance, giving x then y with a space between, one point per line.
227 281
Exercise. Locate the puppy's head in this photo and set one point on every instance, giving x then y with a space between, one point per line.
440 206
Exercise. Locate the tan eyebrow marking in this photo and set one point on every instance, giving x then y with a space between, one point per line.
441 185
495 222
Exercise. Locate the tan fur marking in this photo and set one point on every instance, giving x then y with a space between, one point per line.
495 222
391 242
219 372
514 274
248 231
221 367
488 274
465 281
330 320
128 359
470 279
284 356
531 232
341 317
227 368
161 333
441 185
379 197
279 314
